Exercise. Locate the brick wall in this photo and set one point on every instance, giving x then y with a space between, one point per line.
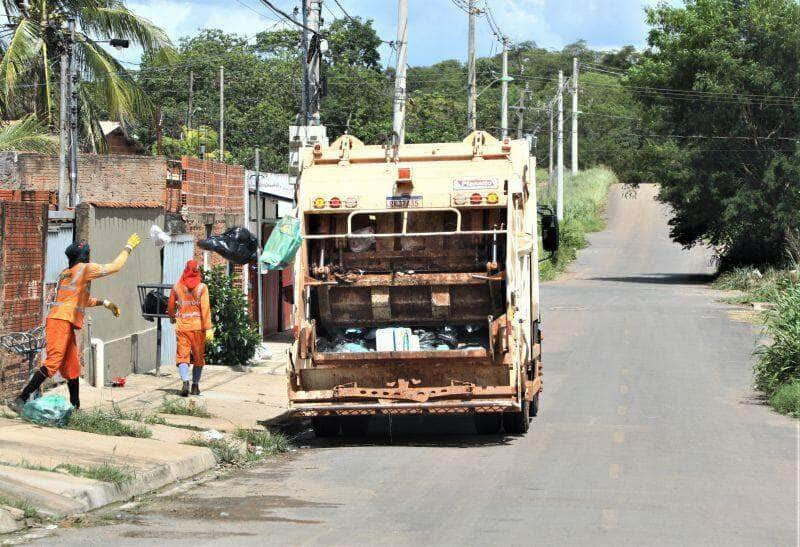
22 254
115 178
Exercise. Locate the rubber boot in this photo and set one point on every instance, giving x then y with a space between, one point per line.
195 389
35 383
74 393
196 373
185 389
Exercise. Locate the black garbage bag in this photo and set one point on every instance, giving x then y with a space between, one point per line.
238 245
155 303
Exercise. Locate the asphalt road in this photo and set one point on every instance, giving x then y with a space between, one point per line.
648 434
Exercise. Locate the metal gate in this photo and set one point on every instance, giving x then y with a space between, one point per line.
59 237
176 254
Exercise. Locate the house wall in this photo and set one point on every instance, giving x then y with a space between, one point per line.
22 250
100 177
130 339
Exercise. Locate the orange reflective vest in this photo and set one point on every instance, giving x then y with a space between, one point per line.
191 309
72 292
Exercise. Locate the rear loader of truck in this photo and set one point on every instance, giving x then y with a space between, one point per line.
416 286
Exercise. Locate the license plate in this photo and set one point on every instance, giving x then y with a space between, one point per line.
403 202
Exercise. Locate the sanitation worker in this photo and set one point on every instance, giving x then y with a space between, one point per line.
190 310
66 316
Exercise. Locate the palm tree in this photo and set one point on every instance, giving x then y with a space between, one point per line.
31 43
28 135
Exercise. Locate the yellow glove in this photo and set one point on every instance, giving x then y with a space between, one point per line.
210 335
133 242
110 306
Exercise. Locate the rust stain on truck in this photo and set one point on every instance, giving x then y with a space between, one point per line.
428 237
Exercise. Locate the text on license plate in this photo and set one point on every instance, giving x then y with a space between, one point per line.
403 202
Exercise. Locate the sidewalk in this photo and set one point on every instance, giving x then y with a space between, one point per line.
33 458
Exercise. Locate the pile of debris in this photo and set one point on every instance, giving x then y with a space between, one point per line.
362 340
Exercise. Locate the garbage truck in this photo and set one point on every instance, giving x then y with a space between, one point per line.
416 287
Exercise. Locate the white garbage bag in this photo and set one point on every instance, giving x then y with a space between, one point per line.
160 237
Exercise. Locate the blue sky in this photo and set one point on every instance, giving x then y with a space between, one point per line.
437 28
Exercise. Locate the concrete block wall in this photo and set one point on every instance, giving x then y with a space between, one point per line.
100 177
23 239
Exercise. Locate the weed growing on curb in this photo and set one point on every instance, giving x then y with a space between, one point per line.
262 443
23 505
137 415
786 399
224 450
104 423
184 407
104 472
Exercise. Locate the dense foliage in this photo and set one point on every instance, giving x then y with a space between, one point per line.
235 343
724 147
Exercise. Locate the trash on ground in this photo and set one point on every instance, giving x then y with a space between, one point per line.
50 410
238 245
282 245
212 435
118 382
263 353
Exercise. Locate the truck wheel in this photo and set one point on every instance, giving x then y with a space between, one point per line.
325 426
488 424
355 426
535 406
517 423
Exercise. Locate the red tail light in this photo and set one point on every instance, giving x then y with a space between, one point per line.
335 203
476 199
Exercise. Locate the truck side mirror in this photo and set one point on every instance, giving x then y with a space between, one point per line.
550 233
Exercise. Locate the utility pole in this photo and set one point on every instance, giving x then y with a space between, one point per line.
259 214
159 131
190 110
472 98
560 190
63 187
504 92
73 117
221 114
399 124
311 42
574 115
550 154
521 111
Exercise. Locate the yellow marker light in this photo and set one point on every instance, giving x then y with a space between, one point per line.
319 203
492 199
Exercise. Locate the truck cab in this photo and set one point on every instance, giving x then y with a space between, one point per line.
417 284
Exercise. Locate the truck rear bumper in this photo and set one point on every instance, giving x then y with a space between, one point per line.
440 407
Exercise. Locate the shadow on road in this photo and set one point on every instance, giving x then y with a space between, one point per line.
660 279
410 431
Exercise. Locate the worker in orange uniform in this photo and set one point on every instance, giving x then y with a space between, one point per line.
66 316
190 310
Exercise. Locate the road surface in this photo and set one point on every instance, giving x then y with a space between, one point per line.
648 434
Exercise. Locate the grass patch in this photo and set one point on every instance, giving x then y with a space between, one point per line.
224 450
104 472
585 198
262 443
105 423
184 407
23 505
137 415
756 286
786 399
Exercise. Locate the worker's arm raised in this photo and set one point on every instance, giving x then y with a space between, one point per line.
101 270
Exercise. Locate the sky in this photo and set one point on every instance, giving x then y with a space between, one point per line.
437 28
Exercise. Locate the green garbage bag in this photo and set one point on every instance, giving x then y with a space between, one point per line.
51 410
282 245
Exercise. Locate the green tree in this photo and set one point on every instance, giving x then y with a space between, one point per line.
191 143
730 168
30 64
27 135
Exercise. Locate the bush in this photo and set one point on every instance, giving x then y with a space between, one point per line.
786 399
235 336
757 286
779 363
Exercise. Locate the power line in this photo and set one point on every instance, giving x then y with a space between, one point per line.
288 17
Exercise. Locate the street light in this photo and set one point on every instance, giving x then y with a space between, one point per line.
500 79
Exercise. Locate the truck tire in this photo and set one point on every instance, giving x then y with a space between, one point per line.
325 426
517 423
488 424
355 426
535 406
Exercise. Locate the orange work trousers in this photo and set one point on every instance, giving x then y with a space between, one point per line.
191 347
62 349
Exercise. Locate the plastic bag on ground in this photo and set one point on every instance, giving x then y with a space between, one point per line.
237 245
282 245
263 353
212 435
50 410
